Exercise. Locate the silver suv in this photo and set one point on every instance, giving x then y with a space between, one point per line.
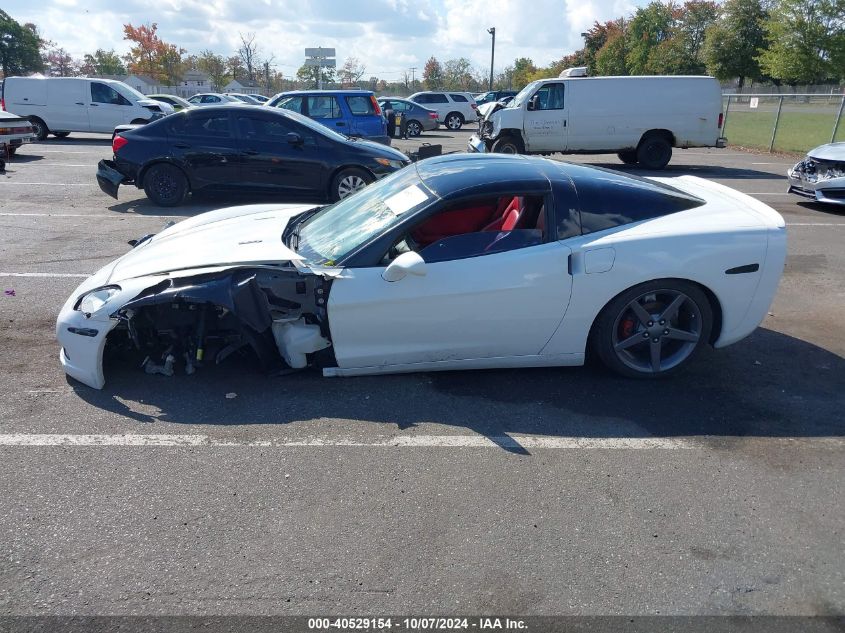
453 108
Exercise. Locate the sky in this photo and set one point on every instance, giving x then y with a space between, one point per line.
386 36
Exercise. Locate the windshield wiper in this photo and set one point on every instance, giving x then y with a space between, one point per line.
290 237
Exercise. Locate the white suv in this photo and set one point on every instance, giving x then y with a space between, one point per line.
453 108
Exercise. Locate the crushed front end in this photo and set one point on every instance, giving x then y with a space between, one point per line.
822 180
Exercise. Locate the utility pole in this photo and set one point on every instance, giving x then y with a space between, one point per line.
413 76
492 31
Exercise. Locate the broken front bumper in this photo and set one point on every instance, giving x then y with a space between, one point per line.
82 343
109 178
476 144
808 185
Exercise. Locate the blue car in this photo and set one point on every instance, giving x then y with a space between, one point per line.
350 112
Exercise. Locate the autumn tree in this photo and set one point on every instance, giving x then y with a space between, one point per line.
151 55
650 26
20 47
351 72
311 74
59 63
248 54
432 74
806 41
733 43
235 67
457 74
523 69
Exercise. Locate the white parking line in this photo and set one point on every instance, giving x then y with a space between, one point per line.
47 275
49 184
405 441
56 164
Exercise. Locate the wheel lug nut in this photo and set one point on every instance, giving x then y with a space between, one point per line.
645 334
654 340
662 322
650 323
666 332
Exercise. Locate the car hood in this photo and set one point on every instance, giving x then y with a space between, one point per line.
831 151
378 150
235 236
164 107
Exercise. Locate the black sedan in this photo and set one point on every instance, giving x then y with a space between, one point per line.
241 147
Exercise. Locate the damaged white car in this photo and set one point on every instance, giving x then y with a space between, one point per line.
456 262
820 176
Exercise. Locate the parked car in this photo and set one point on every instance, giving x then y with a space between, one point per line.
453 108
250 99
418 118
821 175
461 262
352 112
241 147
14 132
639 118
211 98
493 95
260 98
61 105
178 103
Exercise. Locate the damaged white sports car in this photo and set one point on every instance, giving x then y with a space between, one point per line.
457 262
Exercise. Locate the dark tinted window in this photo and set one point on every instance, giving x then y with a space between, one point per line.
360 105
101 93
211 125
550 97
210 99
458 98
431 98
607 199
265 129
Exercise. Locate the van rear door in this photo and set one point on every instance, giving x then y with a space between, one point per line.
67 110
545 121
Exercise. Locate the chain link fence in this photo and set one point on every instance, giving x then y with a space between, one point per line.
793 123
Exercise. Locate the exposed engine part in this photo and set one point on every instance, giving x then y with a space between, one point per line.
165 370
297 339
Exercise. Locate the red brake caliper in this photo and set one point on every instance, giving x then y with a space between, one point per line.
627 328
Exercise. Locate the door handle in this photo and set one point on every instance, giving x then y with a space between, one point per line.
79 103
94 104
251 152
340 123
564 123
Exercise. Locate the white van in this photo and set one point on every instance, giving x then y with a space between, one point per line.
61 105
639 118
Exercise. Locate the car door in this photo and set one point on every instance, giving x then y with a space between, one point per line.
68 109
269 159
204 144
107 108
364 121
474 302
545 121
325 109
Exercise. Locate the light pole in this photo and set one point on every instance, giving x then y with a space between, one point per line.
492 31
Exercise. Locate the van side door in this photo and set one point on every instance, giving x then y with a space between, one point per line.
67 109
545 120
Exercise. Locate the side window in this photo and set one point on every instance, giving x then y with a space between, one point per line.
210 99
550 97
323 107
194 99
438 98
263 128
291 103
102 93
210 126
360 105
400 107
477 227
422 99
458 98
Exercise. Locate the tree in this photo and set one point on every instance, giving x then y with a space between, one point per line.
611 59
351 72
523 69
310 74
433 74
235 67
102 63
695 17
248 54
650 26
733 42
20 47
151 55
597 37
458 74
214 66
806 41
59 63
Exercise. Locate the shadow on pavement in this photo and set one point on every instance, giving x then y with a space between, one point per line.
819 207
202 202
770 385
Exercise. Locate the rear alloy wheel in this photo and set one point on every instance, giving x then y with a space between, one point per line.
39 128
414 128
61 134
166 185
508 145
654 152
653 329
629 157
454 121
348 181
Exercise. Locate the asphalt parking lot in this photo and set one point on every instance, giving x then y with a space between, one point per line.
541 491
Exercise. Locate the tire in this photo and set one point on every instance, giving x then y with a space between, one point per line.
629 157
628 345
39 127
654 152
166 185
509 145
414 128
61 134
348 181
454 121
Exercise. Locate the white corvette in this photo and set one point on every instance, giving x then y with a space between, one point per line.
461 261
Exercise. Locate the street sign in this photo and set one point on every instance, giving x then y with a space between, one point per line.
319 52
325 63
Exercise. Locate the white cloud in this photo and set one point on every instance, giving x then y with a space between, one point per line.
388 36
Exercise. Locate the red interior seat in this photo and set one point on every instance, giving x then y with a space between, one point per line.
454 222
509 215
